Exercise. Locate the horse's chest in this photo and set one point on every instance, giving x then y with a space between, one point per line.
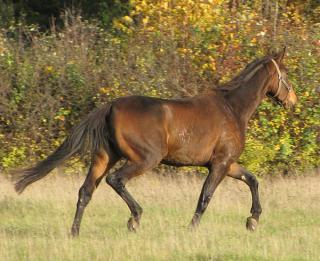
232 142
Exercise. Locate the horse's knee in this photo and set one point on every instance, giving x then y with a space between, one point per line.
251 180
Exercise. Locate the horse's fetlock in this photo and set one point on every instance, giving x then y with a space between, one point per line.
139 211
256 212
259 210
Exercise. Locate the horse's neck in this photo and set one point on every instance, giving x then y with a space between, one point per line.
245 99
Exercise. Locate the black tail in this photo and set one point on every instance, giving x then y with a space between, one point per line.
90 134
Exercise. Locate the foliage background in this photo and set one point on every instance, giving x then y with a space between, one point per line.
58 62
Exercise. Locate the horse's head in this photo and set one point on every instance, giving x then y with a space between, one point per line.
279 88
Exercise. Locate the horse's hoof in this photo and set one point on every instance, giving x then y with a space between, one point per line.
251 224
193 226
74 232
132 224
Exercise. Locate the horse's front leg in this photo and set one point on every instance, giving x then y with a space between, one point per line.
238 172
217 171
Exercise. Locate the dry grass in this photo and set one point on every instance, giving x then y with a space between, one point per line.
35 226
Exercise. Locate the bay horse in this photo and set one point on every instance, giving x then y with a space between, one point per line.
205 130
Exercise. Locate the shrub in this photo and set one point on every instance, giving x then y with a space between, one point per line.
49 81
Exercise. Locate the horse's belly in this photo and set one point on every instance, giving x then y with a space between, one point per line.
185 156
190 147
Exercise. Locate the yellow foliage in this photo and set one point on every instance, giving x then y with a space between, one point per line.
104 90
49 69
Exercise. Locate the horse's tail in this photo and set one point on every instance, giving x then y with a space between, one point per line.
90 134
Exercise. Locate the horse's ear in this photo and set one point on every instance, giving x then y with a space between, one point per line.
279 56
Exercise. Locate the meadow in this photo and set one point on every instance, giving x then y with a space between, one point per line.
36 225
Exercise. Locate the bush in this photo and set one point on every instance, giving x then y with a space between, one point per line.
49 81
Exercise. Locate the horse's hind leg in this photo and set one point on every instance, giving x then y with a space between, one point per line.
118 180
101 163
238 172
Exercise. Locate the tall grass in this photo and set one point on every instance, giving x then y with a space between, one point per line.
35 226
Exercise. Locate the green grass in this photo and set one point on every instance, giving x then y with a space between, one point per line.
35 225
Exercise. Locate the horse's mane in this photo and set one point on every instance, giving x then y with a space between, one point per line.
246 74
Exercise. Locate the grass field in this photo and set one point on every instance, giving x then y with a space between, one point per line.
35 225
